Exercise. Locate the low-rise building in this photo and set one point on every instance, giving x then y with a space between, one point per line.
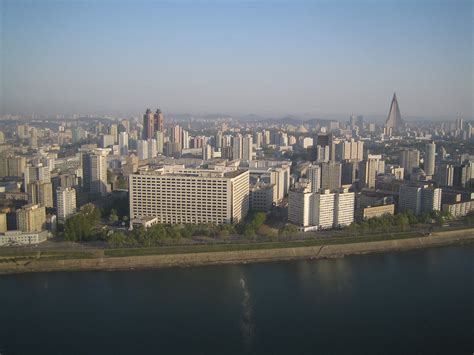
459 209
375 211
143 222
12 238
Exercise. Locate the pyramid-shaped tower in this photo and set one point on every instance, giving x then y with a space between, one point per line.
394 119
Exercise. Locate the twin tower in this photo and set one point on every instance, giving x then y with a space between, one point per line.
152 122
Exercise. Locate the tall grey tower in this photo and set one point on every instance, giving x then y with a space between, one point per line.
430 156
394 119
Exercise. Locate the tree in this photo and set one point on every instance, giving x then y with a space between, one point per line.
82 226
113 218
288 230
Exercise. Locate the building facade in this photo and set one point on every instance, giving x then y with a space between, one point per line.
66 203
31 218
180 196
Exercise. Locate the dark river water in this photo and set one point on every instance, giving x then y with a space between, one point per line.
413 302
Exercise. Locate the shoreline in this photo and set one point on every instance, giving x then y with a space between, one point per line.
327 251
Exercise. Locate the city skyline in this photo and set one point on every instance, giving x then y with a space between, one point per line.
311 59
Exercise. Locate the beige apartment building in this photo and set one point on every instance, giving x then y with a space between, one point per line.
176 195
31 218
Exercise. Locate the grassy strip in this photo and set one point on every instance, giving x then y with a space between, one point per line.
253 246
18 255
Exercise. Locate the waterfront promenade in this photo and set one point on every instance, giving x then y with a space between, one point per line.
245 253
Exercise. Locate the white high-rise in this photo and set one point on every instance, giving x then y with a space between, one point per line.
322 210
185 139
237 143
66 205
151 146
314 175
344 208
419 199
206 152
160 139
247 147
142 149
94 165
123 143
430 156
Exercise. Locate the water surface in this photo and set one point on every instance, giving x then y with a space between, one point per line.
414 302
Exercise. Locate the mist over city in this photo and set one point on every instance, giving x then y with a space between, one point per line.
236 177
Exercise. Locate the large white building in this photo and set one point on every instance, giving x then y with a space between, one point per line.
370 168
176 195
66 203
344 206
350 150
94 165
419 199
314 175
321 210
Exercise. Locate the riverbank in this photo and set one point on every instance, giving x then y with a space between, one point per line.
98 260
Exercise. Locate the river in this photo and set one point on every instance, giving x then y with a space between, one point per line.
412 302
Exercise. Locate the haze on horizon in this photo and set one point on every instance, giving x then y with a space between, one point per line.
266 58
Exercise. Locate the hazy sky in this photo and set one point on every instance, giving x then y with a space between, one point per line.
238 57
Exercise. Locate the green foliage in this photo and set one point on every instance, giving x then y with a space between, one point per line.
113 218
249 227
82 226
288 230
401 220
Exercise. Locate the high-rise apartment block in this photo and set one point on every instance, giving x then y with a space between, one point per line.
176 195
35 173
66 205
237 143
94 167
148 125
370 168
13 166
430 155
31 218
158 121
350 150
40 193
331 175
123 143
420 199
444 175
321 210
314 175
247 147
160 141
409 159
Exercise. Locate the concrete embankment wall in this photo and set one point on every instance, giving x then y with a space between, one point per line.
232 257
